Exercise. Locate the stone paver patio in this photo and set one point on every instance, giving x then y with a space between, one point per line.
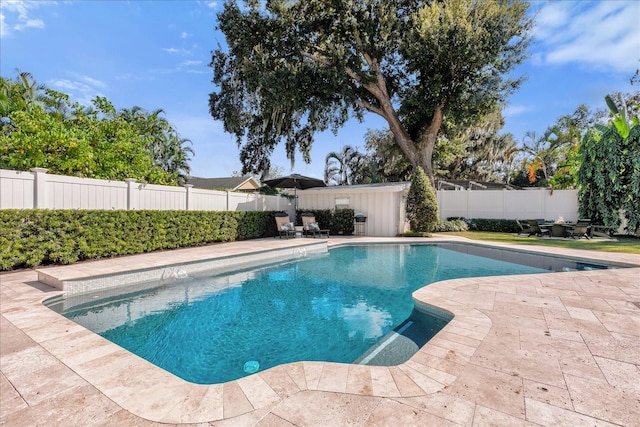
544 349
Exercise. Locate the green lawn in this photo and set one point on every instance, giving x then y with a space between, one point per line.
623 244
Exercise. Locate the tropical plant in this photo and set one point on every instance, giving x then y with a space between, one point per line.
168 150
293 69
422 206
388 162
609 174
41 127
18 95
554 154
346 167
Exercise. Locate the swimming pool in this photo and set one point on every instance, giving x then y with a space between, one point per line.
336 307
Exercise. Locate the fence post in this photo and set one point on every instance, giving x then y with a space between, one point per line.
130 182
504 203
188 195
228 197
39 188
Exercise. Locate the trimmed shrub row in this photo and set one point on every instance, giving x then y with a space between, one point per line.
339 221
496 225
29 238
450 225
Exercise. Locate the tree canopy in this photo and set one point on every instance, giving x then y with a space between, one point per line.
346 167
295 68
40 127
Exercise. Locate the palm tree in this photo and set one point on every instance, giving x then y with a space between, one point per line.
168 150
31 92
18 95
174 156
346 167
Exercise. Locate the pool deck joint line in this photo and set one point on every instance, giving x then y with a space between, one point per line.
541 349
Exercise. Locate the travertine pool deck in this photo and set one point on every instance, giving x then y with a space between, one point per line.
545 349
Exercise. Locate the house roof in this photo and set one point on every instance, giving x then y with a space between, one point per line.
377 187
465 184
225 183
450 184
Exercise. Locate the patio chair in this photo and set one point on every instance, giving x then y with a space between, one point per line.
310 227
525 229
602 231
285 227
581 229
537 229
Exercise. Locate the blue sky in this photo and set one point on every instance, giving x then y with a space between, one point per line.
155 54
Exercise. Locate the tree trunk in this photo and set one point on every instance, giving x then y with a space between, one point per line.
428 142
419 153
426 157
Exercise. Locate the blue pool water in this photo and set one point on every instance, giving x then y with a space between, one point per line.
323 308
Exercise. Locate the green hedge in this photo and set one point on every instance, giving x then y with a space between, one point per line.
339 221
450 225
29 238
497 225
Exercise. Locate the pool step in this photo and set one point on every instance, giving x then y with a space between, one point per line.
393 349
400 344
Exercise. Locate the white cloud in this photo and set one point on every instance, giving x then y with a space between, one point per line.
4 29
600 35
515 110
208 4
82 88
93 82
190 63
173 50
30 23
184 35
15 15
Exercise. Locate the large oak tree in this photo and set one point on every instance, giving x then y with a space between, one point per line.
294 68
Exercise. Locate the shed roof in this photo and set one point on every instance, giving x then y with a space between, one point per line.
449 184
225 183
377 187
467 184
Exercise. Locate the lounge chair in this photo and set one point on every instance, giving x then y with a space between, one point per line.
602 231
581 229
525 229
311 228
536 229
285 227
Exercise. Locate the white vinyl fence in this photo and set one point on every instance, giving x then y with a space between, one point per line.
509 204
39 190
382 203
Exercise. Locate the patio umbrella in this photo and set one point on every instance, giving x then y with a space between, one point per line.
296 182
